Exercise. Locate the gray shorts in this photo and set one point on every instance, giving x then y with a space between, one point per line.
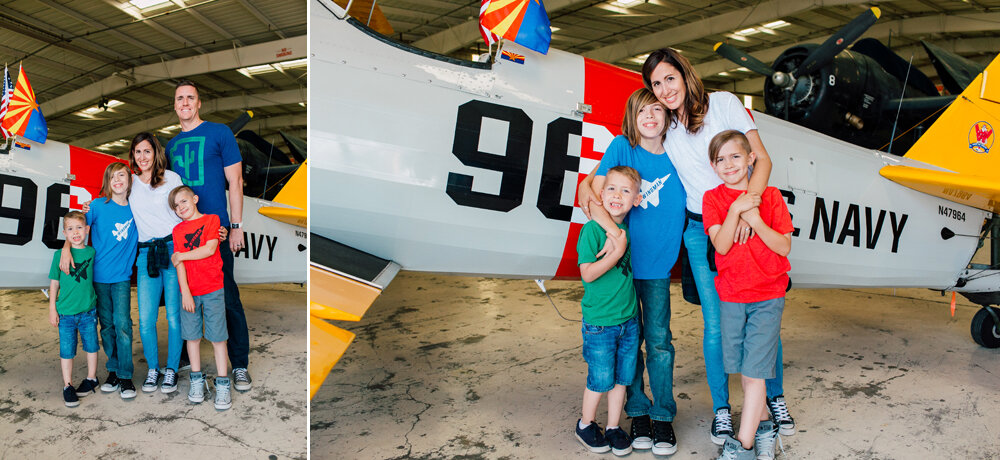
213 307
750 337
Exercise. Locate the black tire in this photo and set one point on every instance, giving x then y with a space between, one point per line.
985 330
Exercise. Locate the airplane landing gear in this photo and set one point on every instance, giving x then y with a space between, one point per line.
986 328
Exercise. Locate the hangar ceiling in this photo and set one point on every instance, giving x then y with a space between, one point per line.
622 32
104 70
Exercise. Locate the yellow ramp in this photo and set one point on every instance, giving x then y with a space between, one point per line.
335 295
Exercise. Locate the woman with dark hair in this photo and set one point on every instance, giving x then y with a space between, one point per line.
155 221
694 118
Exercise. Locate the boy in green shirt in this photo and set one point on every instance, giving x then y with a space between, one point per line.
72 307
610 328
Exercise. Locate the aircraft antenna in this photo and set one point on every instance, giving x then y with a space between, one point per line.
541 285
900 109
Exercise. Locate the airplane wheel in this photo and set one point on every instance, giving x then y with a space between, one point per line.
985 331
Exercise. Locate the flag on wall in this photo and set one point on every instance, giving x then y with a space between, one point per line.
523 21
23 117
8 91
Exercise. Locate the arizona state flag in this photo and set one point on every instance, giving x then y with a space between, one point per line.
523 21
24 117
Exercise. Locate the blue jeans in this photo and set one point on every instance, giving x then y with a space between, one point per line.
86 323
610 353
236 320
149 291
654 329
114 310
696 242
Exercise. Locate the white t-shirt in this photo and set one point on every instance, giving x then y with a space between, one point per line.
151 208
689 152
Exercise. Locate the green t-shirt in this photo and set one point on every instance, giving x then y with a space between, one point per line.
609 300
76 290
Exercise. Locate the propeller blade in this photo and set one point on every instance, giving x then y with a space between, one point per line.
237 124
838 42
295 145
741 58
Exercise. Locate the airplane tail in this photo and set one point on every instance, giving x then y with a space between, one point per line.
293 194
961 156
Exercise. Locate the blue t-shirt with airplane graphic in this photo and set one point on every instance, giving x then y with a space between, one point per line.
655 226
114 237
200 156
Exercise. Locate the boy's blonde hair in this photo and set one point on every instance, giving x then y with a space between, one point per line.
628 172
110 171
728 135
176 191
639 99
75 215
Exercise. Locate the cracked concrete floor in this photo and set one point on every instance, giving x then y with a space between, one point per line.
269 421
449 367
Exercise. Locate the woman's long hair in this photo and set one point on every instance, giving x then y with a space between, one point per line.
159 158
110 171
696 99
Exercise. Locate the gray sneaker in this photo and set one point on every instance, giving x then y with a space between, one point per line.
764 440
732 449
241 379
196 393
223 398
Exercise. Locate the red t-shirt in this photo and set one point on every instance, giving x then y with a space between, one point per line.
203 275
750 272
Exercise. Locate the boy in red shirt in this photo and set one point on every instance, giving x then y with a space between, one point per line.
751 285
199 273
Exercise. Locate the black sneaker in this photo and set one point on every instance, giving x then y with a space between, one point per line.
592 438
641 433
87 386
779 413
620 442
69 395
241 379
127 388
169 381
152 381
722 426
664 441
111 383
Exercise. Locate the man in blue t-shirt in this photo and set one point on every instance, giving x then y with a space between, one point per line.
207 158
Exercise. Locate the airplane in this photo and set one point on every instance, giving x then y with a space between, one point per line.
41 182
436 164
855 95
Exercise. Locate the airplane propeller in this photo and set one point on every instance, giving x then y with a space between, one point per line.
815 60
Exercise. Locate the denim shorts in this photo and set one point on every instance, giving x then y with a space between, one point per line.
211 307
610 353
750 337
86 323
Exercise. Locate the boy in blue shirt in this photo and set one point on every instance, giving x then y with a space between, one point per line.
610 328
72 307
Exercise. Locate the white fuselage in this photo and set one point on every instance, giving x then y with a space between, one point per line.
398 136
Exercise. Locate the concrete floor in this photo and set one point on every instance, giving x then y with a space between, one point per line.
269 421
449 367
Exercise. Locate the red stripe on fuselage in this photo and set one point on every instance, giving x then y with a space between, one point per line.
88 167
606 88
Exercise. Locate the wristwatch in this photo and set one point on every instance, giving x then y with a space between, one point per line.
236 225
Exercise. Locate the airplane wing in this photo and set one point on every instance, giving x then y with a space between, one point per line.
959 145
343 284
